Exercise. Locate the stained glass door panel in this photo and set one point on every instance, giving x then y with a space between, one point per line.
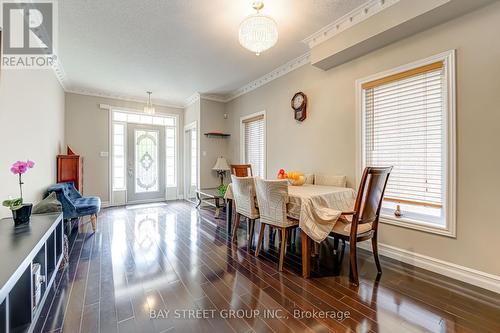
146 163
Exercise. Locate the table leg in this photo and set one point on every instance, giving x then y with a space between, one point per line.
199 199
229 215
217 208
306 255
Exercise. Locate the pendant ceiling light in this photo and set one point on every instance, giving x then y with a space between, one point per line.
258 32
149 109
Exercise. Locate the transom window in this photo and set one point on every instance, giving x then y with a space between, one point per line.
407 123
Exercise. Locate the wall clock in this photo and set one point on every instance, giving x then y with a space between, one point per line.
299 105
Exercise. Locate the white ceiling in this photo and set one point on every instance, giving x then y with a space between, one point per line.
177 47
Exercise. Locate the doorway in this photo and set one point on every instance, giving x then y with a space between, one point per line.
157 171
191 161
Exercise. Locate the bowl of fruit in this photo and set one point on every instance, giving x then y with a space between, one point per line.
296 178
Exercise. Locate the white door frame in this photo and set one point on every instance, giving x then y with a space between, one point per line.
110 109
187 158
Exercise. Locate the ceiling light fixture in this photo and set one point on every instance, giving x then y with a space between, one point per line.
258 32
149 109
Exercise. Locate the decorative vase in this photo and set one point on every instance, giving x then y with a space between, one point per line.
22 215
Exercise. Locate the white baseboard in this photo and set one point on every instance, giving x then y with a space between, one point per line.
105 204
454 271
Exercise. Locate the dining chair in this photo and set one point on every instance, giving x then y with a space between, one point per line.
244 200
272 197
363 224
241 170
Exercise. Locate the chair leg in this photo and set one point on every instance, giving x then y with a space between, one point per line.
282 248
353 262
260 239
375 254
235 226
93 221
250 232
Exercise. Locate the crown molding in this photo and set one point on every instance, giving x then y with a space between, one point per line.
126 98
60 74
214 97
273 75
192 99
359 14
209 97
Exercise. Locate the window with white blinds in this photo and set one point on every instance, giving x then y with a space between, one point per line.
254 143
405 126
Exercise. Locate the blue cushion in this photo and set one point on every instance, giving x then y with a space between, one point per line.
87 205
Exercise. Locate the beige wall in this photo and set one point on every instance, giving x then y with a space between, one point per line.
87 132
212 120
325 142
209 117
192 113
31 127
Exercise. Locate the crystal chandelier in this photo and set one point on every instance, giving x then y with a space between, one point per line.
258 32
149 109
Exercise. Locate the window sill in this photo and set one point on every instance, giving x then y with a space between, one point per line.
418 225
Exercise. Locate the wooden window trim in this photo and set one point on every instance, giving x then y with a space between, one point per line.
403 75
252 119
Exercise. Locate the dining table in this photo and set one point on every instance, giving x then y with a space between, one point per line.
316 207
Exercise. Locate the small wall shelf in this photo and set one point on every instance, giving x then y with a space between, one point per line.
217 135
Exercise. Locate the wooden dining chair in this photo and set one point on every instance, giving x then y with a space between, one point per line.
241 170
363 224
272 197
244 200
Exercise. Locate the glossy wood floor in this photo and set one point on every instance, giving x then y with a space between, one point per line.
150 258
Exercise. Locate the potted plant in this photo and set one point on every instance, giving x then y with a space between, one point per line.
21 212
222 189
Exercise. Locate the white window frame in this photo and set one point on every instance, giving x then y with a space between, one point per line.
449 158
242 137
112 156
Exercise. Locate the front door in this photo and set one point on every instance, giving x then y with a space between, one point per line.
145 163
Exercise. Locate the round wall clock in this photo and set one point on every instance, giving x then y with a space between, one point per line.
299 105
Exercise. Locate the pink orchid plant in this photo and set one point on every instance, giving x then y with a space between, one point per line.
19 168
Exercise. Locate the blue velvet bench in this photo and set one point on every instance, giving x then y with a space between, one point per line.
75 205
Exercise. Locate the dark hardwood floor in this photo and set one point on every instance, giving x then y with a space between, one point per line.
147 259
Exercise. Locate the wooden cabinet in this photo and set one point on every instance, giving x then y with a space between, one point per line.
70 169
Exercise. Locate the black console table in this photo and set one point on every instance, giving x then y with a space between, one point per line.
39 242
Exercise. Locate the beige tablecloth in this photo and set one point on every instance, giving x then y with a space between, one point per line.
316 207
